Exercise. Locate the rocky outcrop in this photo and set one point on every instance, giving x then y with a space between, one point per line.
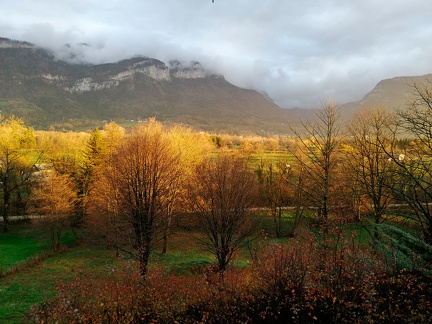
158 72
87 84
8 43
192 70
153 69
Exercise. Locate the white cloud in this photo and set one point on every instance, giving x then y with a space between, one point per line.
299 53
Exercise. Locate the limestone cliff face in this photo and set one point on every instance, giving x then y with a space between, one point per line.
89 77
87 84
150 68
190 74
52 78
159 72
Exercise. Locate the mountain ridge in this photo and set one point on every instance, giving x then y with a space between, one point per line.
392 94
48 92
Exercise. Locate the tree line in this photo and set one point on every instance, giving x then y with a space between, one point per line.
127 188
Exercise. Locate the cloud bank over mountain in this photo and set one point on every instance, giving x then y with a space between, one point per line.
300 53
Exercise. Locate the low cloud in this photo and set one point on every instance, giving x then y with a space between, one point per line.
299 54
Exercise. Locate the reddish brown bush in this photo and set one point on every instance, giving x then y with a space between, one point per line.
335 282
289 283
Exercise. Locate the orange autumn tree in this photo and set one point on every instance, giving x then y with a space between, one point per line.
145 172
54 199
222 193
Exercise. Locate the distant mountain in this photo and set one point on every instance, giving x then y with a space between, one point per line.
45 91
395 93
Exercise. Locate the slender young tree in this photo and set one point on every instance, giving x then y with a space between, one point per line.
191 149
105 220
55 199
317 154
274 190
104 204
280 186
371 135
91 165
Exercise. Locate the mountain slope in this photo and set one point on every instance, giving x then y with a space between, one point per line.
394 93
45 91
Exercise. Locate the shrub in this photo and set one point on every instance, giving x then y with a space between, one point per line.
293 282
122 297
336 282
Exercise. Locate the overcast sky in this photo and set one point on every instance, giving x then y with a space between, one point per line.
300 52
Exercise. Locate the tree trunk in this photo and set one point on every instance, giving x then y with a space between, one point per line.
143 258
117 242
166 233
279 222
6 209
222 260
376 234
58 232
53 239
273 212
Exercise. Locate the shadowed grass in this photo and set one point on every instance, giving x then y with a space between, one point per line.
36 284
21 243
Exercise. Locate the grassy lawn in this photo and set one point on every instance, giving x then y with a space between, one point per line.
36 283
30 286
20 243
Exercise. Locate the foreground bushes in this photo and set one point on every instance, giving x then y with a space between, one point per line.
295 283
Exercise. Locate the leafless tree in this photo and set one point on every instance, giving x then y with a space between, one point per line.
371 136
274 190
415 170
222 193
317 154
280 186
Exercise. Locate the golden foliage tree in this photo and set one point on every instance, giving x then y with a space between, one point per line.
54 199
103 217
191 149
16 141
145 171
